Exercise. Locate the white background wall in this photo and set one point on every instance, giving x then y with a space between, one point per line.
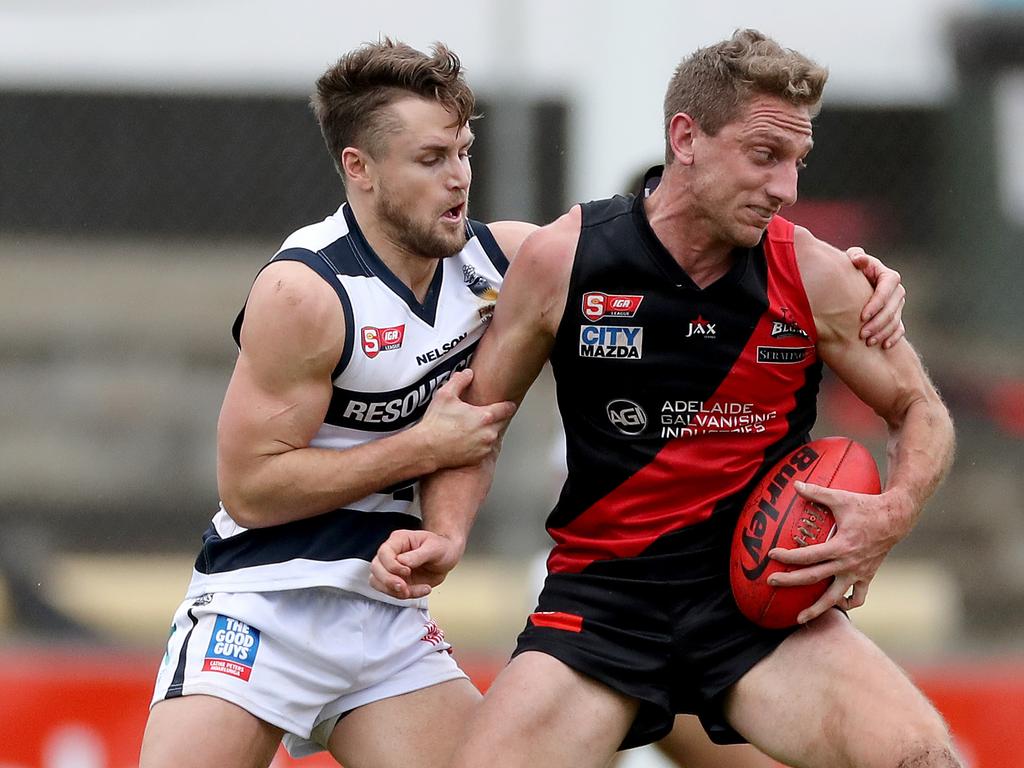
611 57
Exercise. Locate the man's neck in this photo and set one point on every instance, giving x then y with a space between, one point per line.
413 269
686 235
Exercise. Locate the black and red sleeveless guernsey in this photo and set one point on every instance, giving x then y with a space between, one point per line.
674 398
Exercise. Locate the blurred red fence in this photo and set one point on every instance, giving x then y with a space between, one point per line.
87 709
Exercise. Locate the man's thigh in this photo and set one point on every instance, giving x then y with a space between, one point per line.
420 728
540 712
206 732
828 696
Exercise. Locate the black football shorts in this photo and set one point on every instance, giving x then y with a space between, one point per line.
661 627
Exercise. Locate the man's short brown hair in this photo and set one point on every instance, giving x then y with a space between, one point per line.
715 83
352 97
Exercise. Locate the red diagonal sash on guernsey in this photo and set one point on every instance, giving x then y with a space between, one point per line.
688 476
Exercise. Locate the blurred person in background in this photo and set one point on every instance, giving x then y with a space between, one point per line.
336 405
636 621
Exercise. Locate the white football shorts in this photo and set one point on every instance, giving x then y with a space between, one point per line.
300 659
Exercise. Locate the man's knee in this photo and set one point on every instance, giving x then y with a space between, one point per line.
937 756
918 738
929 745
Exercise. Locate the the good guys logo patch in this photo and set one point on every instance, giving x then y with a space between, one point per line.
232 649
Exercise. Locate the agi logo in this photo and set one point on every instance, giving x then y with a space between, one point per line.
626 416
597 305
232 649
377 340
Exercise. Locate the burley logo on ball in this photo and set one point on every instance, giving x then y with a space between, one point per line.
232 649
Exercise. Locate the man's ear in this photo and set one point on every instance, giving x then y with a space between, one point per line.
682 129
357 168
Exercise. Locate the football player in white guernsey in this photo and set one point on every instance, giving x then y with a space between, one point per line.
337 404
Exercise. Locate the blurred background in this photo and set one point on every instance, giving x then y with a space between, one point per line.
154 155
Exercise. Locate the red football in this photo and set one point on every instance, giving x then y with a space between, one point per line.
776 516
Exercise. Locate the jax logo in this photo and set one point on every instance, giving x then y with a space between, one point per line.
377 340
616 341
597 305
232 649
702 328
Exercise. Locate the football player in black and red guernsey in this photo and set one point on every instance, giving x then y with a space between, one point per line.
686 330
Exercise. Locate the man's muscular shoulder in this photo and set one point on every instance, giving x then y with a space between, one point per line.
552 248
292 314
536 284
510 235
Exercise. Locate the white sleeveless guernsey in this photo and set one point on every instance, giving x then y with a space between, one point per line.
397 353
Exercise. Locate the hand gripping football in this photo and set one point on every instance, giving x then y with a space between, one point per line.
774 515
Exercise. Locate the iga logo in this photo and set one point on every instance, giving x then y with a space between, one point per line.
597 305
626 416
377 340
232 649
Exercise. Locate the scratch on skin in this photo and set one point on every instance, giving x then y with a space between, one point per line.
293 298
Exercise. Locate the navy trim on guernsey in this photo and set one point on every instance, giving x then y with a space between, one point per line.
483 234
178 680
338 535
322 263
425 311
396 408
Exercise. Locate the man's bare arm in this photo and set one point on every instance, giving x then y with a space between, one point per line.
510 356
921 439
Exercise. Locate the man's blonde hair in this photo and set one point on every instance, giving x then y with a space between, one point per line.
715 83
